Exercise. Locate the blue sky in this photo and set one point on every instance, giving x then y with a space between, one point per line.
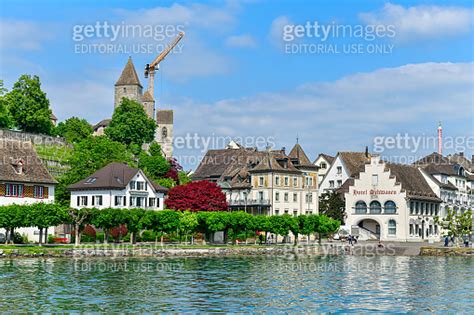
232 77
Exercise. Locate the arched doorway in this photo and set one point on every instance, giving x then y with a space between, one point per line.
371 227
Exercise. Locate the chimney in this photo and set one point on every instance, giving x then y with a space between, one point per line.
283 149
472 159
461 154
367 152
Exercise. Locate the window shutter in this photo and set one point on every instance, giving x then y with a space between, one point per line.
78 200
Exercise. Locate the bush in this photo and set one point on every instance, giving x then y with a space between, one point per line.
87 239
50 239
100 237
19 239
148 236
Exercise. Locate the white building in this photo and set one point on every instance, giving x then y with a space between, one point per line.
263 182
117 185
345 166
24 180
392 202
323 162
450 181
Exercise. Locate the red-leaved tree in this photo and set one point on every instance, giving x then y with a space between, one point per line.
197 196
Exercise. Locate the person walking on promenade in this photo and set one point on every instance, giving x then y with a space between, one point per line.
349 238
446 241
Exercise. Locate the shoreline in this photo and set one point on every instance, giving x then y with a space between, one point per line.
127 250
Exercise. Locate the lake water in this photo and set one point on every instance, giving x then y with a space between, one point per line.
246 284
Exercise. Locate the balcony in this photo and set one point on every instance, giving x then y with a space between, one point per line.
249 202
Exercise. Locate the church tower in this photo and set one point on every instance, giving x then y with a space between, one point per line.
164 132
128 85
148 104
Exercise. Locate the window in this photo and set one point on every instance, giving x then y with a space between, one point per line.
412 207
164 132
38 192
339 183
361 207
82 201
260 195
309 198
286 197
390 207
286 211
277 211
151 202
286 181
295 213
277 196
132 185
277 180
392 227
375 180
339 169
375 207
295 197
140 185
323 165
417 207
411 229
295 181
158 202
260 181
124 201
436 229
96 200
14 190
331 184
118 200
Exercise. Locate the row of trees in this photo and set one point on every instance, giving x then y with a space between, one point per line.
235 225
41 215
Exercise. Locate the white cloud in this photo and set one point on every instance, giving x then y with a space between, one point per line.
244 41
276 30
342 115
422 22
198 57
24 35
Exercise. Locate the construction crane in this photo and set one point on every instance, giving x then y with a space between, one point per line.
155 65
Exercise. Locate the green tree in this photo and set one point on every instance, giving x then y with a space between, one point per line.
325 225
188 224
241 223
108 218
283 224
6 119
332 205
165 221
456 225
12 217
153 163
29 106
79 218
88 156
74 129
44 215
130 124
183 178
262 224
134 221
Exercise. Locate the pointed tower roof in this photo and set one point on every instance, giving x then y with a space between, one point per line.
147 97
129 75
298 153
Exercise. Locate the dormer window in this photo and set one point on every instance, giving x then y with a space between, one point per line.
90 180
18 166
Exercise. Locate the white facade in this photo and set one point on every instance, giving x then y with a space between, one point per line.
336 175
323 166
24 198
279 193
138 193
378 207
